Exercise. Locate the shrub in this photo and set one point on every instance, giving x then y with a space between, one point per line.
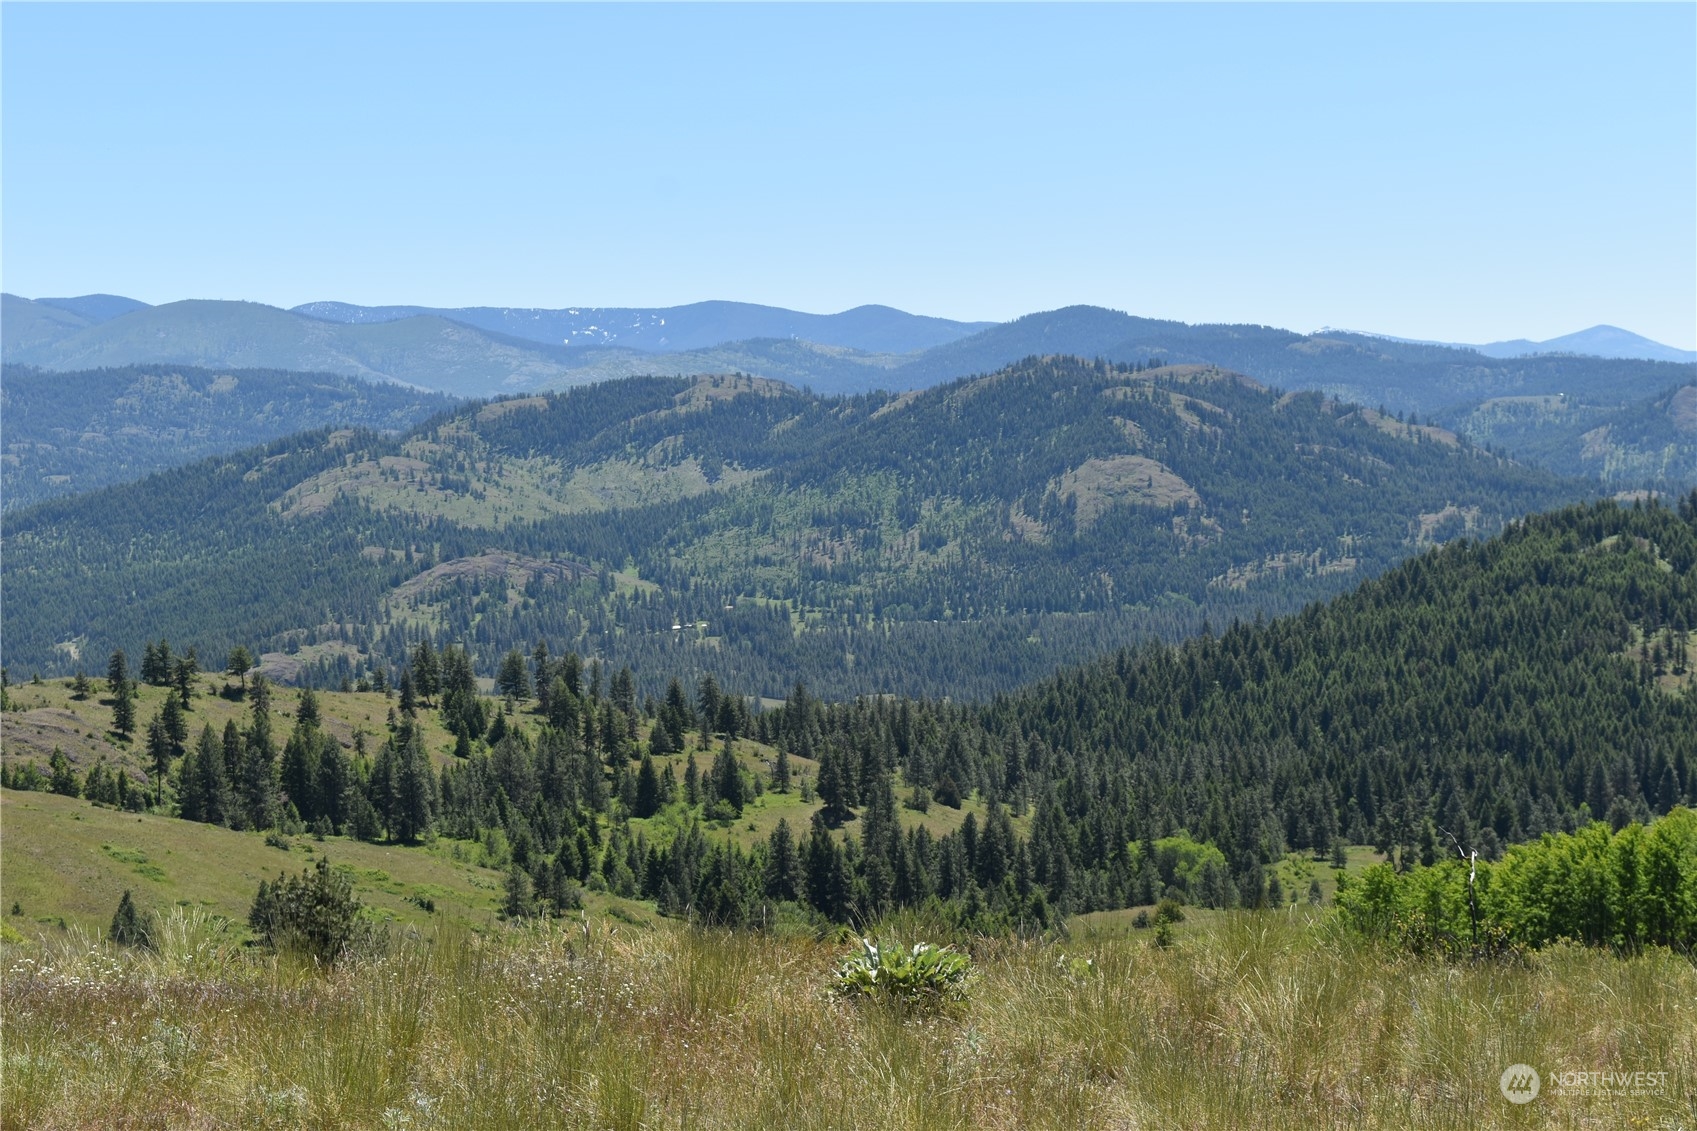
1169 910
923 976
1628 889
130 927
314 913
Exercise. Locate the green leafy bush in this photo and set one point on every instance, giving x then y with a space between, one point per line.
1626 890
924 975
1169 910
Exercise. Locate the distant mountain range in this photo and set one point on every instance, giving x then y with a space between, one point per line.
672 329
482 351
487 351
1598 341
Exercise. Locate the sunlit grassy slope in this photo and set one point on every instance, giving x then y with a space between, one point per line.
67 860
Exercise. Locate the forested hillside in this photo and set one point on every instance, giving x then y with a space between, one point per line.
70 432
957 541
1651 442
1481 694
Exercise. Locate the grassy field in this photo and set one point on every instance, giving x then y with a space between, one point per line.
67 862
1247 1021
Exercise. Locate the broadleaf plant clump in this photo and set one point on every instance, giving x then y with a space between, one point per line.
925 975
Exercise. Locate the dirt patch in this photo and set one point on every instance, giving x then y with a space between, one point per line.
502 408
1097 484
33 735
1023 528
898 403
1595 443
286 667
1203 375
491 564
1394 427
1313 564
315 495
1451 522
1682 410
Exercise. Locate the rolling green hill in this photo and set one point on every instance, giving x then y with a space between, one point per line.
959 541
69 432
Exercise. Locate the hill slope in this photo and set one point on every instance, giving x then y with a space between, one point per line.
956 541
69 432
1650 442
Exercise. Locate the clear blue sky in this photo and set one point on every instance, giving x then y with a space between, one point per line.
1444 171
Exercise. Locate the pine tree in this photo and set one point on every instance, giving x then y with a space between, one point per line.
781 772
727 779
518 903
259 760
624 692
647 789
783 879
414 790
426 672
513 680
191 805
176 726
131 927
831 787
300 771
63 779
158 755
117 673
183 674
708 698
239 663
156 663
124 709
214 787
315 912
335 778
